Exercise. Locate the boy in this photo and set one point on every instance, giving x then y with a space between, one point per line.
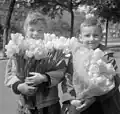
91 36
43 103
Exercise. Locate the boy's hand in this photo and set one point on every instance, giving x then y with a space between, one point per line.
81 106
76 102
35 79
87 103
26 90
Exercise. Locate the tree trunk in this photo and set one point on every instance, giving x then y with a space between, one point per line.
7 25
106 35
72 19
72 24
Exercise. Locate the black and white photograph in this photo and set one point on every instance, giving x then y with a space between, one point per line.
59 56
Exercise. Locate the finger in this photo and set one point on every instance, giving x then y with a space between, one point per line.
81 108
29 83
31 88
33 73
76 102
27 80
30 78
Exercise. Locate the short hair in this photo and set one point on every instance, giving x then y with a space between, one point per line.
34 17
91 21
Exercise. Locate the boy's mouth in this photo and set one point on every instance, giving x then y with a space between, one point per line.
36 37
90 43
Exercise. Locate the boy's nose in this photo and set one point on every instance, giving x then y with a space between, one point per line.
91 37
35 32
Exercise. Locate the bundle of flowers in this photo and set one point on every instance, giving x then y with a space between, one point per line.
93 74
37 55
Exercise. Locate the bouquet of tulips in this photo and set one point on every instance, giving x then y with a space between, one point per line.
93 74
37 55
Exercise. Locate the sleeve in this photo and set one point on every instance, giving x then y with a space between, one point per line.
67 86
56 76
11 80
110 57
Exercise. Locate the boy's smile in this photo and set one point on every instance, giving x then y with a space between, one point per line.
91 36
36 31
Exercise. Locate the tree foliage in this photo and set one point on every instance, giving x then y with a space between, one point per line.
53 7
107 9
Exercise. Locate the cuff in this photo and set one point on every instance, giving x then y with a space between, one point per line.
66 97
66 102
49 80
14 87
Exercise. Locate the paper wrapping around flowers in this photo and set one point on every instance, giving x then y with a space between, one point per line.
85 86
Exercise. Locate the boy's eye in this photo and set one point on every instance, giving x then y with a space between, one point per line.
87 35
95 35
40 30
31 30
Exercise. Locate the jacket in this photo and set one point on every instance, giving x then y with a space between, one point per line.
41 99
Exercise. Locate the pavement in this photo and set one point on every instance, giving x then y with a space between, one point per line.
8 100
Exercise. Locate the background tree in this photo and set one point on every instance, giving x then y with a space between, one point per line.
7 24
54 7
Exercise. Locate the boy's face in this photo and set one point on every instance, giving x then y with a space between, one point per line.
91 36
36 31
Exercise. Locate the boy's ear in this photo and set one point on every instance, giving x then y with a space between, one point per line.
80 38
